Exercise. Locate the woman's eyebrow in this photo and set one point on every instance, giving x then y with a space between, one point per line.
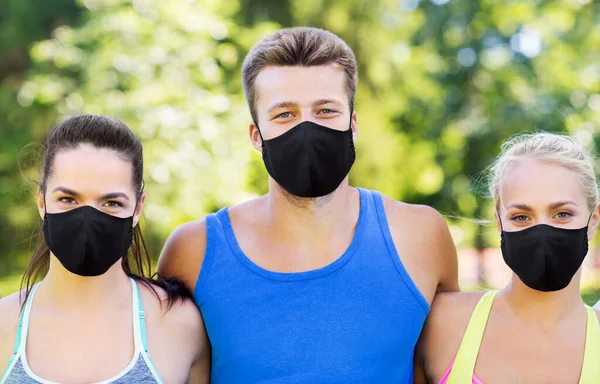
115 195
66 191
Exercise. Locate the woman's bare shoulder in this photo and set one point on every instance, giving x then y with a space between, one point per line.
10 310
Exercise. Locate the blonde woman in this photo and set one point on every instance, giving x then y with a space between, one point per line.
537 329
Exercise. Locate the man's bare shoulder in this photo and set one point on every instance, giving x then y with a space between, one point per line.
183 314
424 244
452 310
183 253
248 212
412 216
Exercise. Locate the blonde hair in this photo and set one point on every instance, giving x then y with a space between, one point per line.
551 148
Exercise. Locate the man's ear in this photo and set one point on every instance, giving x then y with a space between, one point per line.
354 125
255 136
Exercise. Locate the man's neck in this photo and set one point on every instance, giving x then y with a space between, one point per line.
302 218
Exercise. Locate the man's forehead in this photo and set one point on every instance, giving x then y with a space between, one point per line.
301 85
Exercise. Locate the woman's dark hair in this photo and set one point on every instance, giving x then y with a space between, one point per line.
101 132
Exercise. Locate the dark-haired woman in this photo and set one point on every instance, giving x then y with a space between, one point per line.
96 316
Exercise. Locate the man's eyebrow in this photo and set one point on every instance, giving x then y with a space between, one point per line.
327 101
283 104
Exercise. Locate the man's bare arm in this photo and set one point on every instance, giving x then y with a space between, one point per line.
183 253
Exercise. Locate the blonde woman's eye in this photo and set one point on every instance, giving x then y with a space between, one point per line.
520 218
563 215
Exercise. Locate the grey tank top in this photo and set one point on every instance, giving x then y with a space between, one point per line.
140 370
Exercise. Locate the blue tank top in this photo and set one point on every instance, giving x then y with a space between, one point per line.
356 320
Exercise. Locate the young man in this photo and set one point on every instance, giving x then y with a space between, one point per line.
315 282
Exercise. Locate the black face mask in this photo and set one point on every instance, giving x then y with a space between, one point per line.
544 257
309 160
86 241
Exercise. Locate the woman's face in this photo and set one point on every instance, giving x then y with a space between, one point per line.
536 192
98 177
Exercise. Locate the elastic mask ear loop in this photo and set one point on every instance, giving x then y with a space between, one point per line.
45 209
500 220
590 218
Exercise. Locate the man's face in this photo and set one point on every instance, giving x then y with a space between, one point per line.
287 96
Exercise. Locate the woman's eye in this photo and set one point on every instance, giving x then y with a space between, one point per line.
520 218
563 215
66 200
113 204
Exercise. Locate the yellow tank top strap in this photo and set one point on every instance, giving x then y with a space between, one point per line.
590 370
464 364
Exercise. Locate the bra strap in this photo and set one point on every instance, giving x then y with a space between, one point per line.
139 318
464 364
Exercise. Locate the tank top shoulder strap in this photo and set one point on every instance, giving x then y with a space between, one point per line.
590 370
139 330
216 238
466 357
379 229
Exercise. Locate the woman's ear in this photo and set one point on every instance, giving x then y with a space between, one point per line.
594 221
41 203
137 215
497 220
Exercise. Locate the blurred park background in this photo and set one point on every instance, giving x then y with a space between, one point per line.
442 84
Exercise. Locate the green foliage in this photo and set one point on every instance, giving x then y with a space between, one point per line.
442 84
